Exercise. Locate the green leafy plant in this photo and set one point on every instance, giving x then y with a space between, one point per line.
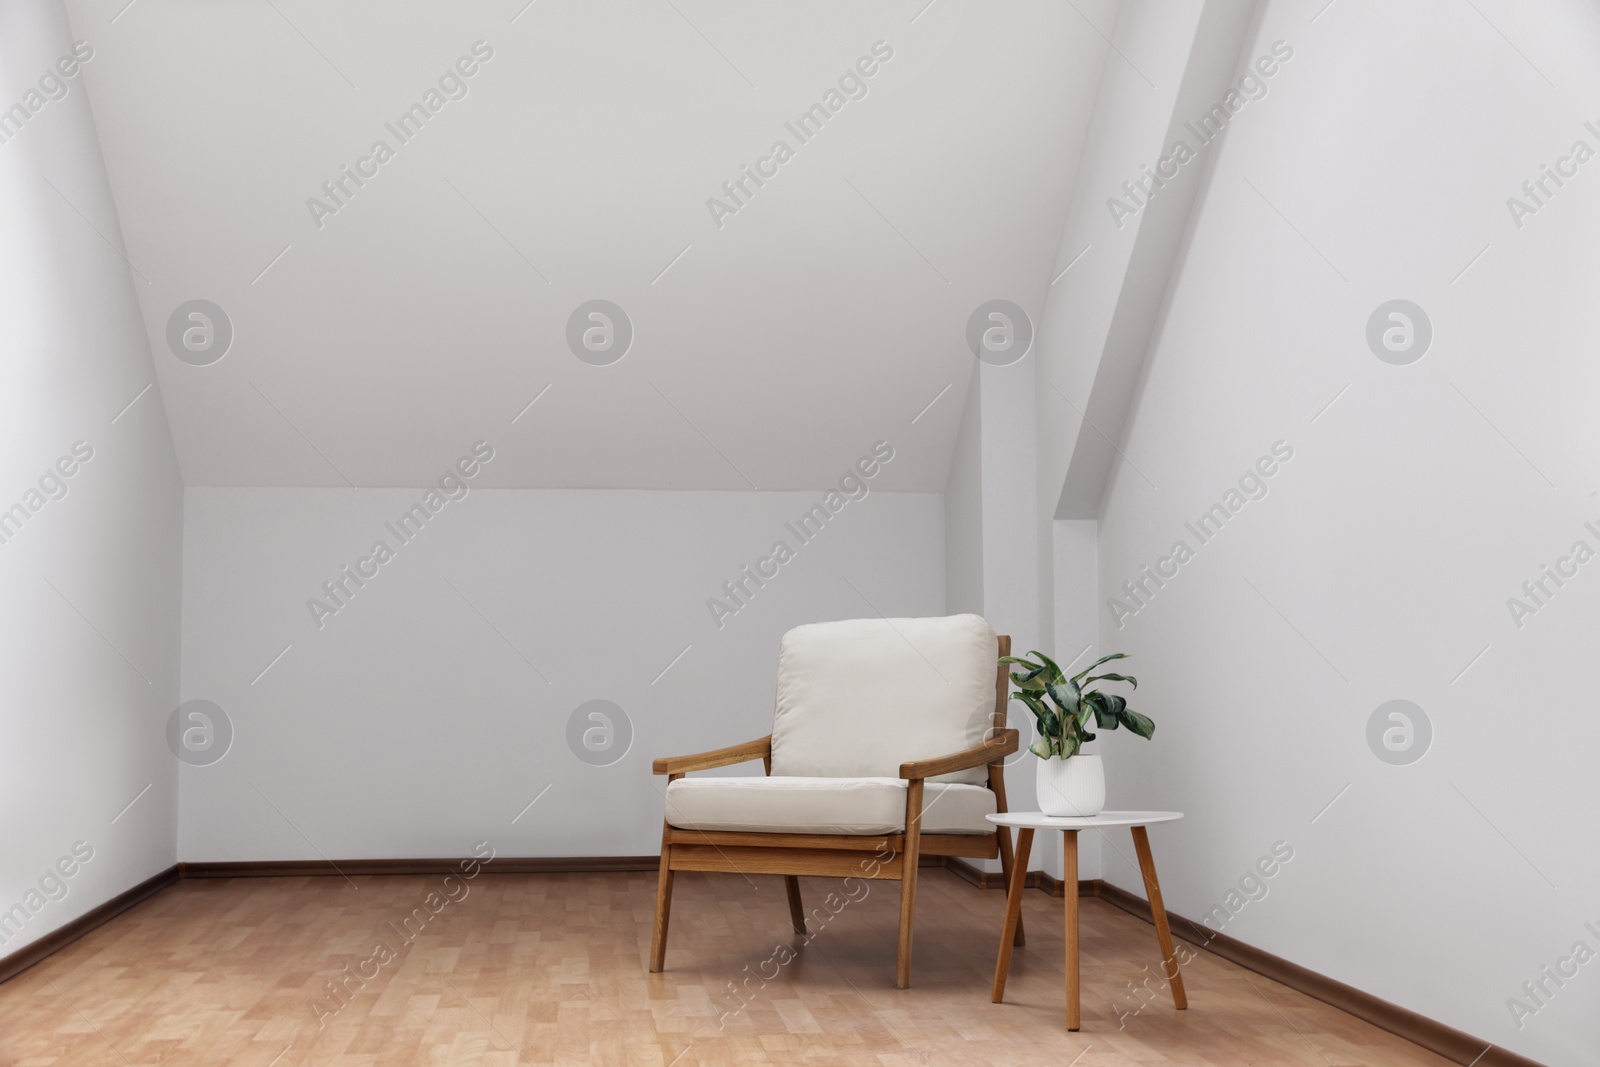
1064 706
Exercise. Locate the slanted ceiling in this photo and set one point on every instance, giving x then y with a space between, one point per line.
773 345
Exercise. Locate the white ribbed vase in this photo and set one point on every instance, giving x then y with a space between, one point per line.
1075 786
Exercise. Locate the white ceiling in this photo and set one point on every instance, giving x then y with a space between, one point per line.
432 308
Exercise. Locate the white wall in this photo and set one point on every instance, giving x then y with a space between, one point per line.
412 725
90 580
963 508
1379 564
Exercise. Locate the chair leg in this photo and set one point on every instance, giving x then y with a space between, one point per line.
908 881
1007 861
1002 965
658 940
797 913
997 784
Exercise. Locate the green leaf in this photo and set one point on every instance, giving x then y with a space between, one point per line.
1014 659
1041 748
1048 719
1067 696
1139 724
1049 662
1030 681
1105 715
1096 663
1130 679
1041 711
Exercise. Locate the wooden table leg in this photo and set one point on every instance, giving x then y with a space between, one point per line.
1069 887
1019 877
1158 911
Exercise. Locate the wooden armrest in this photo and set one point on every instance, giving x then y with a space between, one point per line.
760 748
1002 744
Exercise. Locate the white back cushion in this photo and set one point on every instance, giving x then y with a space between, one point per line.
858 698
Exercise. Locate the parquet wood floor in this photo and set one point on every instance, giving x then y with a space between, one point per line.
550 969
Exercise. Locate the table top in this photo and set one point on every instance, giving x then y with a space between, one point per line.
1038 820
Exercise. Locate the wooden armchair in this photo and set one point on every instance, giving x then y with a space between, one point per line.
887 742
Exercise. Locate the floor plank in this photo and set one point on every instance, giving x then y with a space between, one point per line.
550 969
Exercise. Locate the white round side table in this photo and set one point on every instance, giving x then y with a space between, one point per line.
1026 822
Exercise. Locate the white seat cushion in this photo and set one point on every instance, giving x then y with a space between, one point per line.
858 698
801 805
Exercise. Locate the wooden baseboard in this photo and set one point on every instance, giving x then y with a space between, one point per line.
1089 887
980 878
64 935
338 868
1446 1041
1035 879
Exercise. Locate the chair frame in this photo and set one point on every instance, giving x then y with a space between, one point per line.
839 855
